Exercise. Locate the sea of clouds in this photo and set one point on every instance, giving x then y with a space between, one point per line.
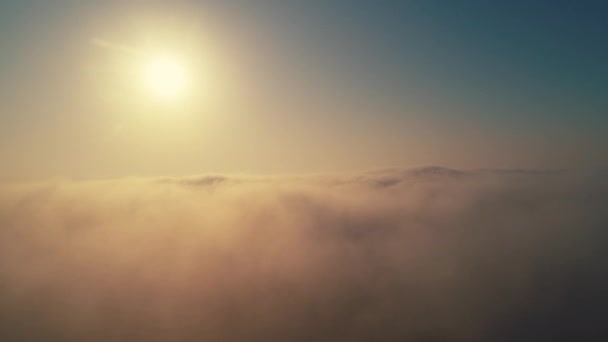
428 254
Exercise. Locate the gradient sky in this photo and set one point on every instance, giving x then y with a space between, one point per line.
304 86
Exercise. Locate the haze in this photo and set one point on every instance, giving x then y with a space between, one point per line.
260 170
302 86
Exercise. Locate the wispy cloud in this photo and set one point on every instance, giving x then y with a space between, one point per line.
106 44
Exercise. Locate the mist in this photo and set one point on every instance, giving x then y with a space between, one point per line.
428 254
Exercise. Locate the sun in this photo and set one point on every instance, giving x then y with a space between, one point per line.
165 76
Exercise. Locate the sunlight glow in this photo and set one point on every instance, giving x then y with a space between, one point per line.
165 77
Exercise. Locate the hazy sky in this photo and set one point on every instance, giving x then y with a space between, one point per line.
303 86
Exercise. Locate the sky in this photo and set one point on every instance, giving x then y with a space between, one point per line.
315 170
302 86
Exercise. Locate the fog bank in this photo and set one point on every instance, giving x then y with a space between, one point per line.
427 254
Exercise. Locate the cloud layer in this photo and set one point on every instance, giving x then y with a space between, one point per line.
426 254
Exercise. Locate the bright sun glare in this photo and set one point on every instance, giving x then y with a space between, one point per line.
165 77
